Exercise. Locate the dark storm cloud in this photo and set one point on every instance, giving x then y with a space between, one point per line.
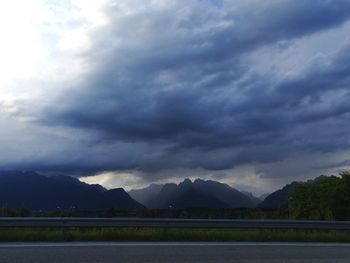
178 80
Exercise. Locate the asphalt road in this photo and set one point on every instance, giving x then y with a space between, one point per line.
173 252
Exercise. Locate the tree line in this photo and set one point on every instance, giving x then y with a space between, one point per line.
327 198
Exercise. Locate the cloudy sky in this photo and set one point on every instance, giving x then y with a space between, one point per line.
127 92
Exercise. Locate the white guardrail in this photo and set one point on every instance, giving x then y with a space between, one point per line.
170 223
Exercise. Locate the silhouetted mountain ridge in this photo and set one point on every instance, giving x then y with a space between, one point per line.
276 199
36 192
253 198
279 198
146 194
199 194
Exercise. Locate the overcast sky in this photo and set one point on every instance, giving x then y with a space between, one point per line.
249 92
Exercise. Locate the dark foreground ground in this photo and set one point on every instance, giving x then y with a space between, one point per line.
173 252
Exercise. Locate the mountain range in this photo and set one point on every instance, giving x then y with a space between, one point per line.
146 194
196 194
37 192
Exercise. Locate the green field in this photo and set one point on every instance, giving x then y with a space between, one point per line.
159 234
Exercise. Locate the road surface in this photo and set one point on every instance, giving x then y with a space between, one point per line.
89 252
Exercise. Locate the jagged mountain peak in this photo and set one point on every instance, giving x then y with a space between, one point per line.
199 193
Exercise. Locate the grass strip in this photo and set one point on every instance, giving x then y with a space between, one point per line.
161 234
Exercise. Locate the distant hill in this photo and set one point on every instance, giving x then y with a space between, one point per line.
36 192
199 194
254 199
263 196
280 197
144 195
276 199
